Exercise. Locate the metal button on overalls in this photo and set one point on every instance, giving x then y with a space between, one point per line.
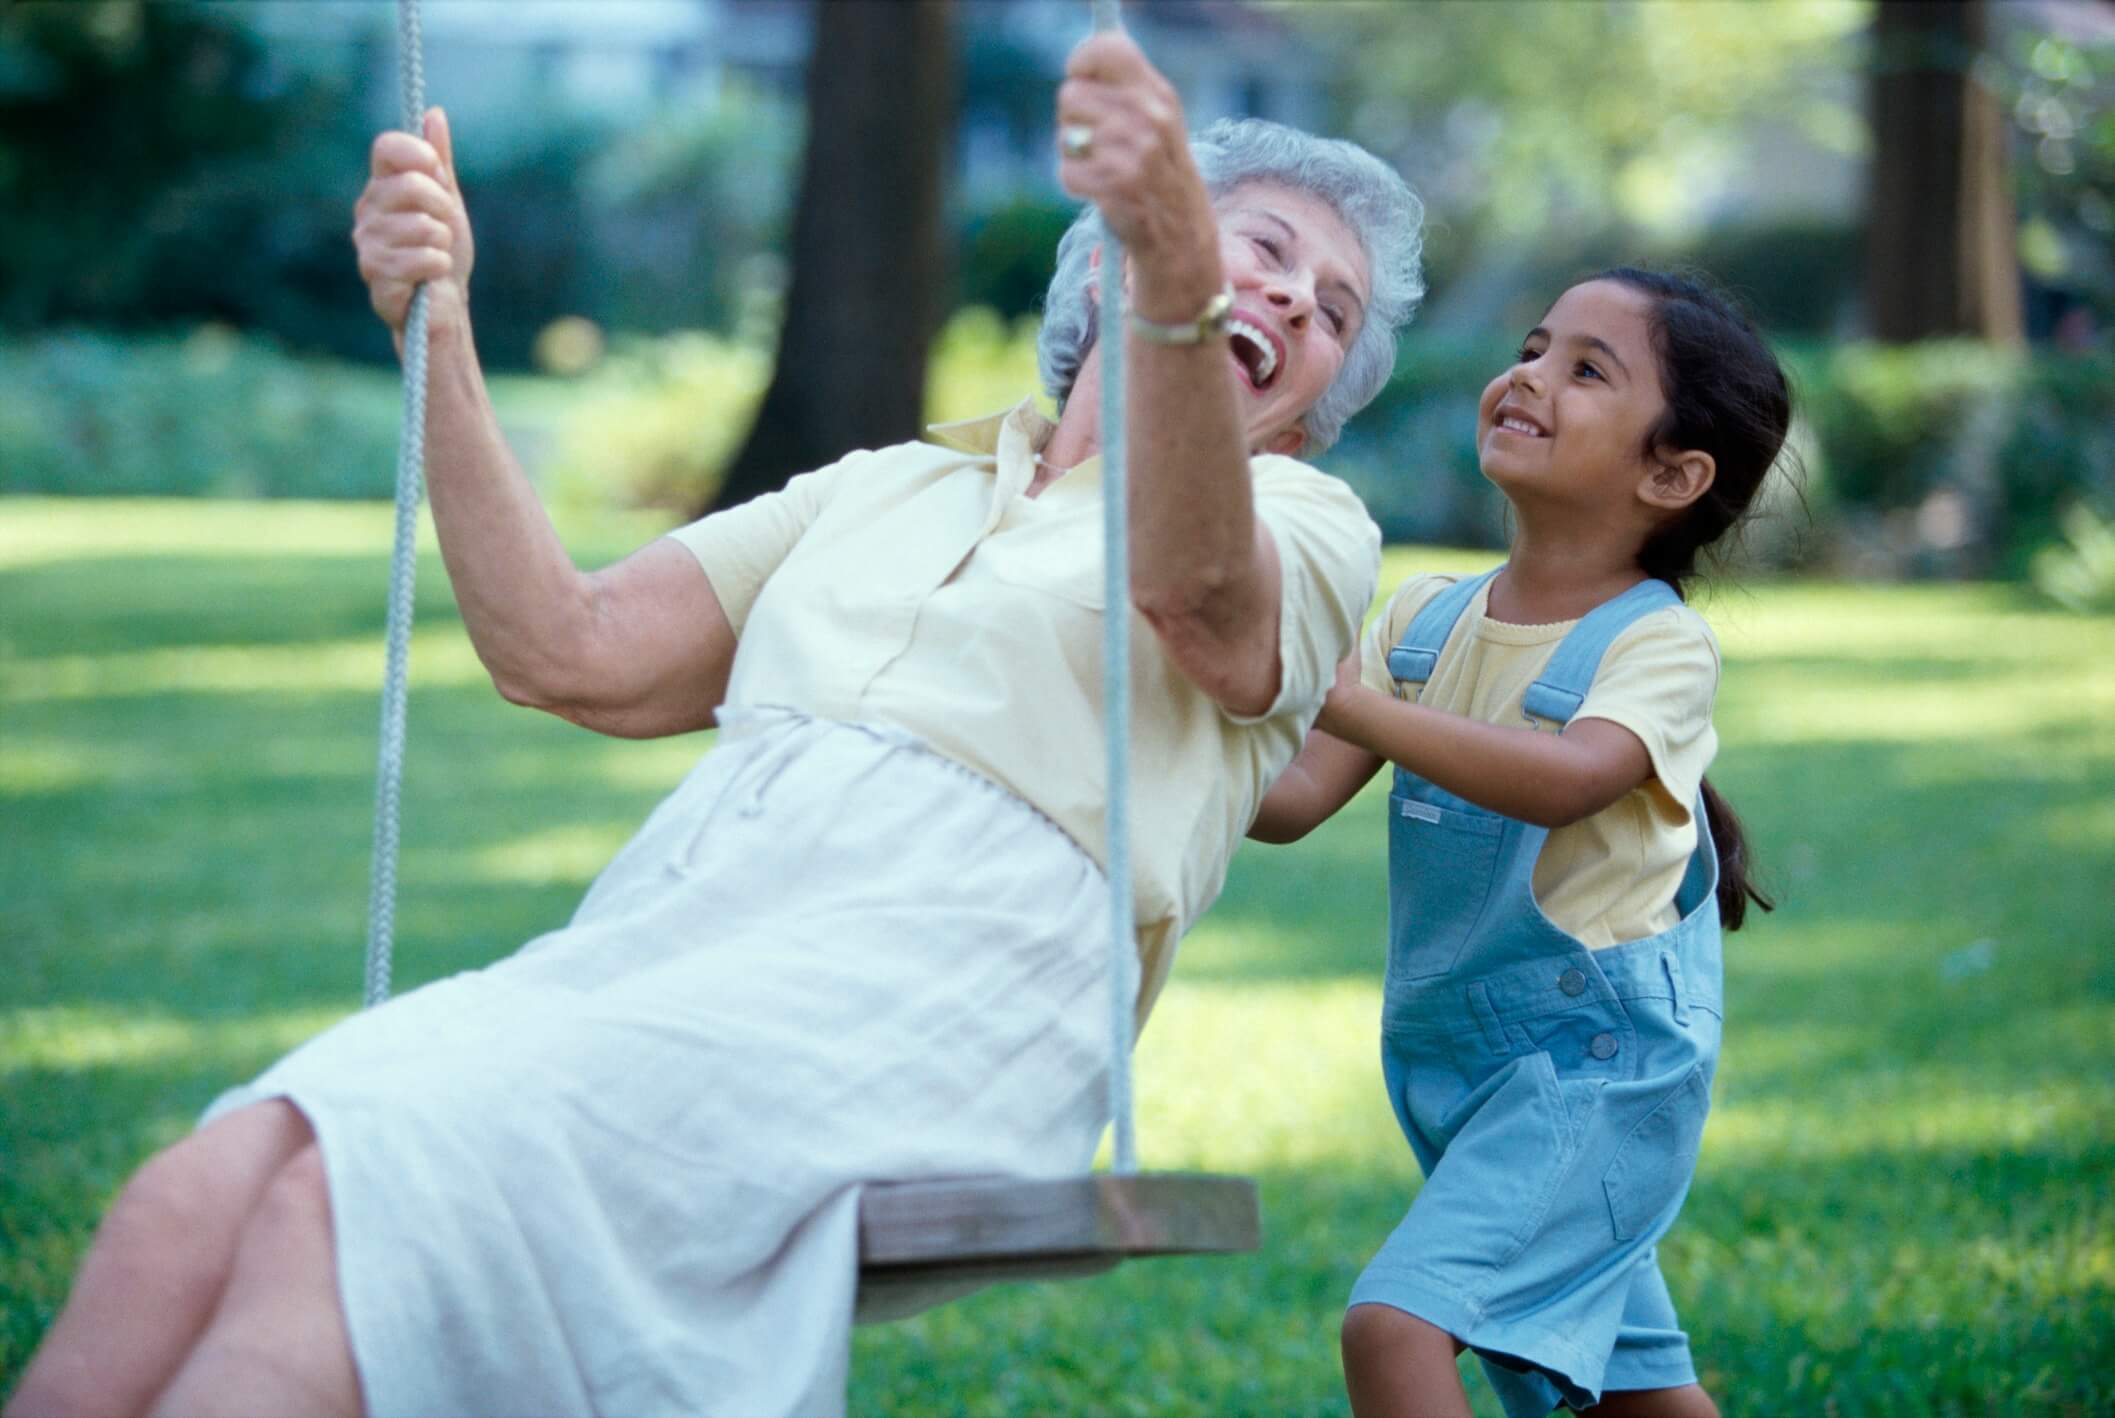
1572 982
1603 1046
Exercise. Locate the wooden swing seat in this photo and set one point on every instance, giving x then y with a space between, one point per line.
913 1235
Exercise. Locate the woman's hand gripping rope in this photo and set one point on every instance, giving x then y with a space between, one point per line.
410 226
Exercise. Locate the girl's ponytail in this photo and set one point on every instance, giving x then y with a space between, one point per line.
1726 396
1735 889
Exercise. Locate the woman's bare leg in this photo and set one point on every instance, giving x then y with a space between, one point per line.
157 1267
1399 1366
278 1342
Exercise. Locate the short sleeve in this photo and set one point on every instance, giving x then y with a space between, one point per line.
740 547
1658 680
1329 552
1388 627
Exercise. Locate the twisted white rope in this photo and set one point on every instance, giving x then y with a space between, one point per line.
403 568
1116 681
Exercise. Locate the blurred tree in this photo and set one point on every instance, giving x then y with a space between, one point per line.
1941 235
684 209
2060 90
146 173
868 259
1518 117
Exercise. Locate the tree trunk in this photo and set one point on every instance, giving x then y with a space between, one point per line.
869 258
1941 235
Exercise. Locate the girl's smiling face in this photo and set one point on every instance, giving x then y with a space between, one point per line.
1568 422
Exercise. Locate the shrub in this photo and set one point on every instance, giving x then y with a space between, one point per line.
1008 253
1977 446
208 414
2079 572
654 425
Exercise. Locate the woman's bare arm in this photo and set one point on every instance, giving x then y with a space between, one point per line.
1205 572
639 649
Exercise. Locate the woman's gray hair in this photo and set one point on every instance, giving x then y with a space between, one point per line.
1370 196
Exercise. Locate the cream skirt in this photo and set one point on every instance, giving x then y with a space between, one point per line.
618 1172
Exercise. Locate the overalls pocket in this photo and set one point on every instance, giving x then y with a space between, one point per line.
1650 1173
1442 859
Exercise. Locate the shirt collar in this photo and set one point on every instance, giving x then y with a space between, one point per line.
983 434
1013 439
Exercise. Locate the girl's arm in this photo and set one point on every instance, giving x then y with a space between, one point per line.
1327 774
1551 780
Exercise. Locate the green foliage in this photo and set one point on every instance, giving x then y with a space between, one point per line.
1797 277
1527 118
1009 252
1902 1206
1411 453
2002 438
2079 571
655 425
155 168
1889 416
682 209
211 414
2060 90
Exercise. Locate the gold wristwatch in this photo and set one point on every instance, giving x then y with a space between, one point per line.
1209 324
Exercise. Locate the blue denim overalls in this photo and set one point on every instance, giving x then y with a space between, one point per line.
1554 1095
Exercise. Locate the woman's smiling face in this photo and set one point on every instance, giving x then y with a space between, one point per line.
1301 283
1569 421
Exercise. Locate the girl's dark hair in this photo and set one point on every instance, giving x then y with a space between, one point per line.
1726 396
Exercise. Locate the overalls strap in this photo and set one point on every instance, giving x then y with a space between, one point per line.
1565 681
1414 656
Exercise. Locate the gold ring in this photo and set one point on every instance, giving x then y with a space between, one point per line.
1076 139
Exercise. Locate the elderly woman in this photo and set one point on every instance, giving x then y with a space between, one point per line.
619 1171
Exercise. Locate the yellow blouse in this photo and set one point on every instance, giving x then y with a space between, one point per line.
918 586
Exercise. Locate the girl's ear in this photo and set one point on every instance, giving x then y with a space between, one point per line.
1673 483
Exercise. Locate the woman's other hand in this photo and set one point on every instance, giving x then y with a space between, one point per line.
1122 145
410 225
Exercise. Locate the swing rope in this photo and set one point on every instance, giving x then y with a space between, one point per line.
403 568
1116 629
1116 680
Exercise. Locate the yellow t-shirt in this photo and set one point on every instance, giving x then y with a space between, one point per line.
917 586
1613 876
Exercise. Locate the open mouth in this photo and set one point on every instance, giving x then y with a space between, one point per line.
1512 422
1254 351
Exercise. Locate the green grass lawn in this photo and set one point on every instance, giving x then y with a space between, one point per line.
1904 1204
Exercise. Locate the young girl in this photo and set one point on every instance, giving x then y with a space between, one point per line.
1558 868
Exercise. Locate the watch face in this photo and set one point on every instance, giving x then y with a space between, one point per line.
1210 323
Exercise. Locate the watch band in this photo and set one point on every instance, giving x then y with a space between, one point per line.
1210 322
